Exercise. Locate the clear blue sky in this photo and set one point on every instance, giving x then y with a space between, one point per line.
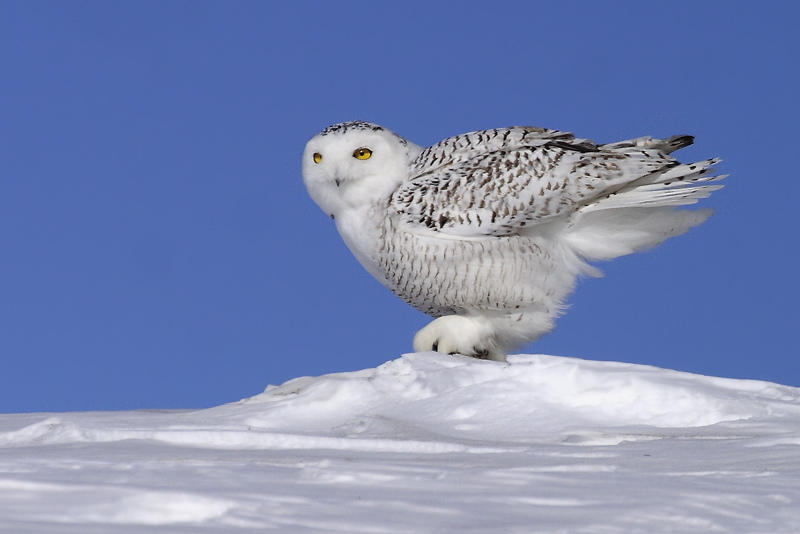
158 249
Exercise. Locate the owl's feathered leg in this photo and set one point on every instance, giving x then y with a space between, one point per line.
459 334
487 337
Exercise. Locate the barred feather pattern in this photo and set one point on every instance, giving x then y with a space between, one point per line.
444 277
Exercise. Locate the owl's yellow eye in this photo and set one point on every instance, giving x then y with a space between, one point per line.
317 157
362 153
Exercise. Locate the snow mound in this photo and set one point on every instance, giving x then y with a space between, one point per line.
523 399
431 403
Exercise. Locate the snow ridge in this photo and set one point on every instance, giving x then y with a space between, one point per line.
530 398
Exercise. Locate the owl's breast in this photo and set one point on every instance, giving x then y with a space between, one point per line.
442 275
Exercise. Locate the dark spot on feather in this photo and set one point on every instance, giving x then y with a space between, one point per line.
577 147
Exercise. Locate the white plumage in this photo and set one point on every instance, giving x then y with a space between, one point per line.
487 231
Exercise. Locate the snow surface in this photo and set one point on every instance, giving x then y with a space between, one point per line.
424 443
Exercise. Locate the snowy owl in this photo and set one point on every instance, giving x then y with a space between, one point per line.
487 231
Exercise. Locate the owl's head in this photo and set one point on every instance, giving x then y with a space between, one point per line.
354 164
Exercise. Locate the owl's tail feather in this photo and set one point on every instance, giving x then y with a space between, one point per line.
671 186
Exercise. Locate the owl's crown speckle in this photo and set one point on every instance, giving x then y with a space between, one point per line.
344 127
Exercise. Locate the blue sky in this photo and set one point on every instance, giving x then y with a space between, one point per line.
158 249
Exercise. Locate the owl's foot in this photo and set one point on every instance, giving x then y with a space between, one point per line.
456 334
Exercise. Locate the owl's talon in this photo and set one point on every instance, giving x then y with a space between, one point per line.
481 354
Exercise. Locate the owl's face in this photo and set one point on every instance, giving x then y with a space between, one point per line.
354 164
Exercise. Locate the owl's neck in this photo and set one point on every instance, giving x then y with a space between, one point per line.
360 228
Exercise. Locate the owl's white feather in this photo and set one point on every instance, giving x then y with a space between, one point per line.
487 231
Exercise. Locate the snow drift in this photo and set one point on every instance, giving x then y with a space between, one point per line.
425 443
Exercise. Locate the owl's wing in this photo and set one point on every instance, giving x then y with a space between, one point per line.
500 182
465 147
